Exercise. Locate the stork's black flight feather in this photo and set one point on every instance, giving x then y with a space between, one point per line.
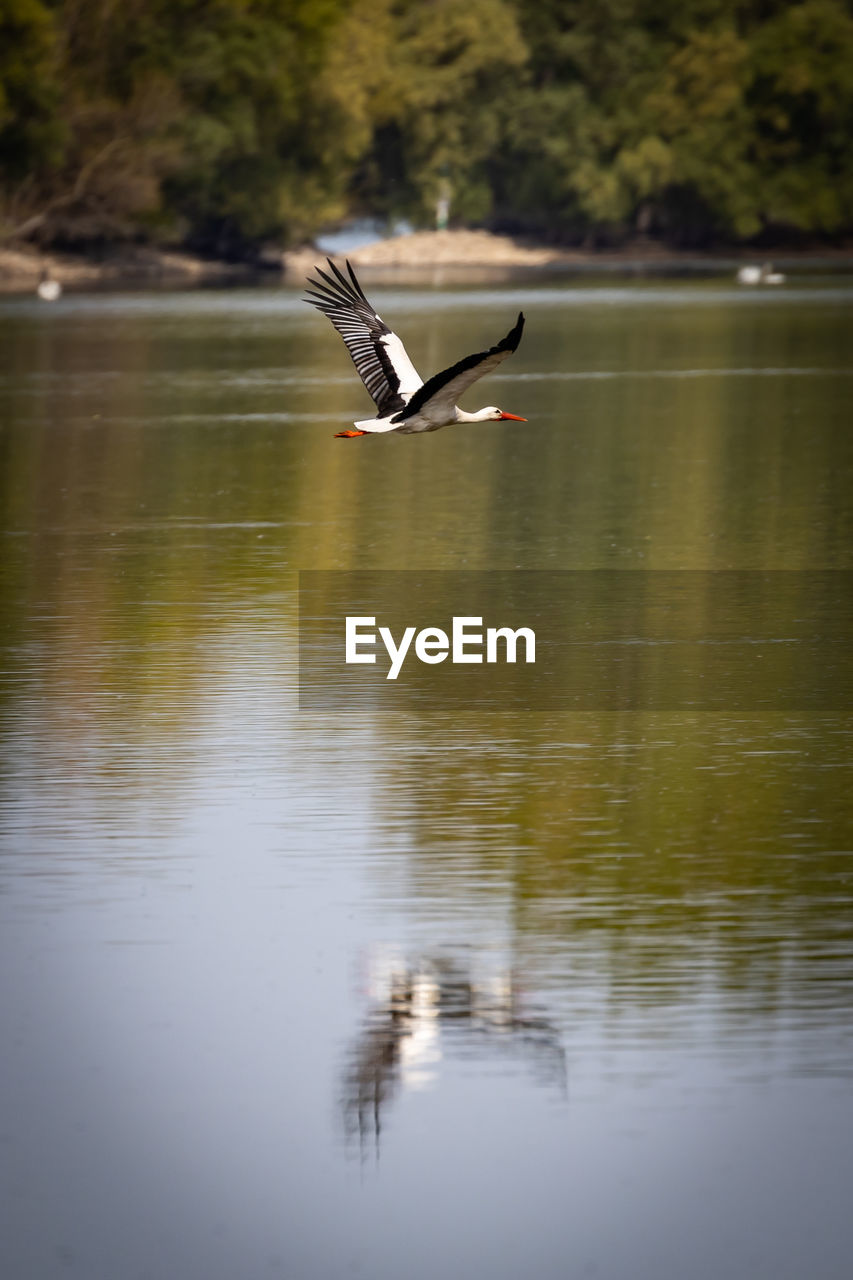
363 332
463 373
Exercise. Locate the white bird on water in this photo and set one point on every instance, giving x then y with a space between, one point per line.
760 275
404 402
48 288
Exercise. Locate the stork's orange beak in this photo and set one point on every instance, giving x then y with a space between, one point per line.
514 417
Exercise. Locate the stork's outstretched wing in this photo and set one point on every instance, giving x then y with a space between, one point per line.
439 394
377 353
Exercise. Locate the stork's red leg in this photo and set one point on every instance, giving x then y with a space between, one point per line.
340 435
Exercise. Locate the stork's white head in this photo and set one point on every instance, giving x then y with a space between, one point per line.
493 414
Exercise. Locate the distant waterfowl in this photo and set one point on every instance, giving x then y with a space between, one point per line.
48 288
760 275
404 402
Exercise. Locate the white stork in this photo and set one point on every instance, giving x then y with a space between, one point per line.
404 402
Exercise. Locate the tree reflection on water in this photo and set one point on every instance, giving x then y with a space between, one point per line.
431 1005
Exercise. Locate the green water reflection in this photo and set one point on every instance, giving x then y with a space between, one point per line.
168 465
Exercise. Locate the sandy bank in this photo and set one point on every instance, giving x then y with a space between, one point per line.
425 249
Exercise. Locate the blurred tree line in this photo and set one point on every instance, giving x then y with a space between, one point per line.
223 124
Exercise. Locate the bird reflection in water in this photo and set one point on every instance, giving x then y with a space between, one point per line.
422 1009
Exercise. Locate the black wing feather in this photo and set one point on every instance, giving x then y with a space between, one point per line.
343 301
433 385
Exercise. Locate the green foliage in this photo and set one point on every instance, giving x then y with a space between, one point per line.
224 123
30 128
699 121
802 106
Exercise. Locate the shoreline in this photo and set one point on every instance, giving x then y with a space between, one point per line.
450 256
470 252
21 269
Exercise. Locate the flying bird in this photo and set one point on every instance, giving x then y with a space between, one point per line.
404 402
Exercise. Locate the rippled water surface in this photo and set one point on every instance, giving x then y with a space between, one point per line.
390 993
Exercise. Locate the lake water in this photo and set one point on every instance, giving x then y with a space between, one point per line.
391 992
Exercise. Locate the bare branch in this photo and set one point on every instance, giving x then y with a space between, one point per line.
31 224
